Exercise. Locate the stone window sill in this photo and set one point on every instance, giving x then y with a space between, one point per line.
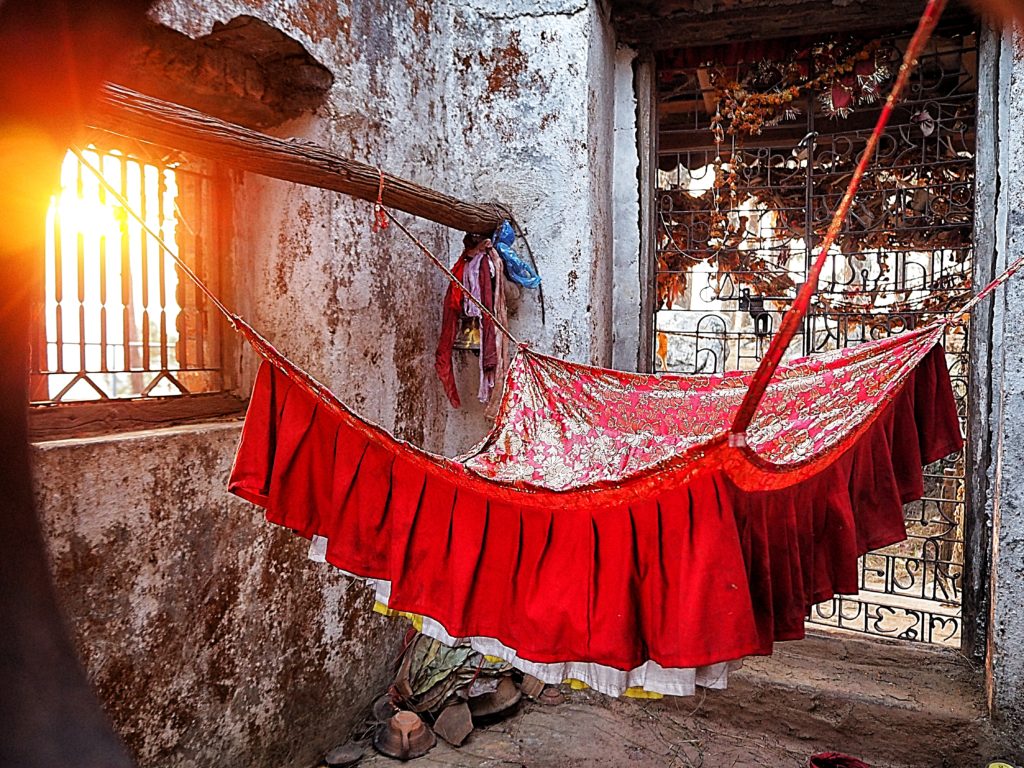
64 421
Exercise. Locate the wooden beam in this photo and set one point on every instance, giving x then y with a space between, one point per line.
707 91
128 113
675 23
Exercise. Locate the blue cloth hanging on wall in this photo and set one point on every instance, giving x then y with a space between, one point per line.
515 267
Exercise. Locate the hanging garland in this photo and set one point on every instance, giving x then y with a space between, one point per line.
902 206
845 75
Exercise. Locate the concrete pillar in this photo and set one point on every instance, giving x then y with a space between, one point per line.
1000 377
627 326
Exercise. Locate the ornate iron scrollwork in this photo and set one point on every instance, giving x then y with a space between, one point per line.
737 224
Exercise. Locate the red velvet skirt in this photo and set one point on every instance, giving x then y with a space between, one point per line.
700 559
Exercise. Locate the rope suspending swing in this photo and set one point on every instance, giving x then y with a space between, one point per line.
382 217
791 320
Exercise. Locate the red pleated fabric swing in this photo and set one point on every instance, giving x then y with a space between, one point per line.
623 528
606 520
626 530
619 528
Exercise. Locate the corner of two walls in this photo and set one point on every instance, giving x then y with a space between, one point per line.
630 267
532 100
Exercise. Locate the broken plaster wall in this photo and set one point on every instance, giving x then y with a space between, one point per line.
210 637
343 302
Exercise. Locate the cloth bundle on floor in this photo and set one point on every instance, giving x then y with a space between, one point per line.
607 529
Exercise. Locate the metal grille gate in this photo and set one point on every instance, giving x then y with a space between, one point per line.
731 256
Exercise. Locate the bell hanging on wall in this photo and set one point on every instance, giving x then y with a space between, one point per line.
468 336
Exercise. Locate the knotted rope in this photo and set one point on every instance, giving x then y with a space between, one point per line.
380 219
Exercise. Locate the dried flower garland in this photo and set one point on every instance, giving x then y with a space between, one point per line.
844 76
709 234
904 207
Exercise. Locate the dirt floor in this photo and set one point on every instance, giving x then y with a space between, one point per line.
594 730
892 705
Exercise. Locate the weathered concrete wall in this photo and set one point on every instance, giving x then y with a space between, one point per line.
1002 424
229 648
212 640
209 636
1007 622
338 299
508 101
531 115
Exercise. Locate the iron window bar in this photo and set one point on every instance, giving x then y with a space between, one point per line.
114 320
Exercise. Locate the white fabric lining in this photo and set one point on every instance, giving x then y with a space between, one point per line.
651 676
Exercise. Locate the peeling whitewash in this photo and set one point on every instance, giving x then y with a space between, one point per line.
210 637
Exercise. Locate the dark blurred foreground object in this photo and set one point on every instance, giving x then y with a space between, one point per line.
835 760
53 56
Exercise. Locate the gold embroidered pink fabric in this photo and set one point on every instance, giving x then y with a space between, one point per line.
563 425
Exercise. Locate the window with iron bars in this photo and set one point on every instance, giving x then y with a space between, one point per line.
117 321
